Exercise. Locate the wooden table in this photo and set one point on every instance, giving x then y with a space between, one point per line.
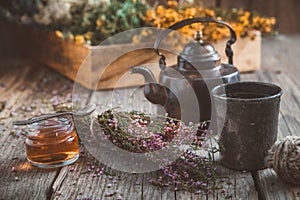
29 88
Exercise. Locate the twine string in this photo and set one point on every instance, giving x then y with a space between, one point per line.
284 158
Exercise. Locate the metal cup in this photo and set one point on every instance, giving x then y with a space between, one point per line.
247 120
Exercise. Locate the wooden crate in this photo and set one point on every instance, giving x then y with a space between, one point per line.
67 57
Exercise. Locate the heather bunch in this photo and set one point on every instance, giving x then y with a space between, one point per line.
194 170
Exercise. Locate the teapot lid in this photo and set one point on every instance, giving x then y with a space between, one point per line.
199 55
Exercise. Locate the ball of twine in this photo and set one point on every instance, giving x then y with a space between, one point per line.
284 158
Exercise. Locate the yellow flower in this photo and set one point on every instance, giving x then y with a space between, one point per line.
150 15
209 12
172 3
79 39
272 20
239 19
247 14
160 9
59 34
268 29
255 20
88 35
200 9
190 12
98 23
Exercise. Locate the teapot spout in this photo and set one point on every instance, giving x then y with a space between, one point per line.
148 75
153 91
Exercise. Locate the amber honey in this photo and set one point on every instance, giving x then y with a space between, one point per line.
52 143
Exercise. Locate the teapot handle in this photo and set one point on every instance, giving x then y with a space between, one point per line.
178 25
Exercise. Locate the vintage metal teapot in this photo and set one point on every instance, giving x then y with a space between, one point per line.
198 67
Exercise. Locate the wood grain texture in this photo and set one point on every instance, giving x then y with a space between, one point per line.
274 188
18 179
288 16
68 58
81 180
235 4
208 3
285 11
153 192
263 8
282 69
105 66
241 184
85 181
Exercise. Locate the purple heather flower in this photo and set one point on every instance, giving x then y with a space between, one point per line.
119 197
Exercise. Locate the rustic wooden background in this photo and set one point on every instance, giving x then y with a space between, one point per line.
30 84
286 11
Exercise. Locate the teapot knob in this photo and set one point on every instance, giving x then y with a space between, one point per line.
198 36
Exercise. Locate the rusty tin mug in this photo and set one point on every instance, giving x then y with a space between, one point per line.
247 120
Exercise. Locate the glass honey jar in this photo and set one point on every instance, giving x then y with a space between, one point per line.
52 143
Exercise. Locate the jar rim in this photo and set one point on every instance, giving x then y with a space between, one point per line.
56 124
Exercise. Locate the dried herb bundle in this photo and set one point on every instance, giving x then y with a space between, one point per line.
139 133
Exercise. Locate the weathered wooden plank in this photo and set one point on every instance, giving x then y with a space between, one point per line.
209 3
290 114
268 9
244 187
74 181
133 99
243 183
88 178
110 61
286 79
281 69
234 4
268 183
18 179
236 185
282 57
284 11
154 192
124 99
69 58
288 16
273 188
85 181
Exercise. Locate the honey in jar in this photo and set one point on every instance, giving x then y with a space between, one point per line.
52 143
